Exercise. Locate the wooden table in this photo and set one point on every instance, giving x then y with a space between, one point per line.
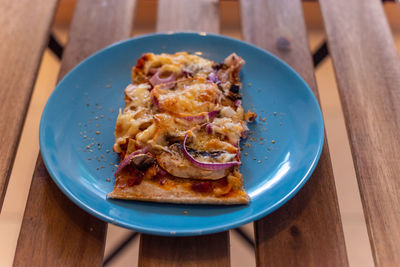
306 231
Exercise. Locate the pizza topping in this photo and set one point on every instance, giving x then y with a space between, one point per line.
175 163
137 95
202 187
209 128
191 96
127 159
234 64
187 73
167 78
235 179
227 112
142 161
151 172
200 118
250 116
136 177
206 165
234 88
219 187
222 187
213 77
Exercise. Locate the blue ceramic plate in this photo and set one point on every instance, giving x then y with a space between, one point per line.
77 134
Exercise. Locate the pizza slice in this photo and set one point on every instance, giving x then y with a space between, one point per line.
178 135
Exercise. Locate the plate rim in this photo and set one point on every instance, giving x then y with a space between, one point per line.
182 232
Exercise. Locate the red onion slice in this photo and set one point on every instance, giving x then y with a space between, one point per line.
206 165
209 128
238 103
201 117
168 81
156 102
212 77
127 160
194 118
213 113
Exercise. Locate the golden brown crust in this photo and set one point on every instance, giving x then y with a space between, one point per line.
149 191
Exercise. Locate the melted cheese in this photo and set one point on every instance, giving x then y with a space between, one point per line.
190 97
136 115
138 95
155 116
230 128
178 62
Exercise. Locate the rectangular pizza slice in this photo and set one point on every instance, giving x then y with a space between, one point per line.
178 135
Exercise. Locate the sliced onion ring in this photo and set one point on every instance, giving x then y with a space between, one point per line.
206 165
201 117
127 160
168 81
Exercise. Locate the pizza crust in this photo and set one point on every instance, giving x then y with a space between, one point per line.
150 191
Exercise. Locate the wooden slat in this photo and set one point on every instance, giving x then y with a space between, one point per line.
368 74
54 231
188 15
209 250
24 34
306 231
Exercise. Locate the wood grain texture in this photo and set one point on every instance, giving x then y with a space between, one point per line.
367 70
54 231
24 35
209 250
188 15
306 231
